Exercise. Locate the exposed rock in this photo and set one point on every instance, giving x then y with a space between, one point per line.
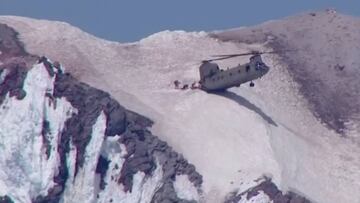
101 168
44 133
5 199
89 102
142 150
16 60
271 190
13 82
48 65
10 46
167 194
12 49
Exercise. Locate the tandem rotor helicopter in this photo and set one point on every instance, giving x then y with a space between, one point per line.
213 79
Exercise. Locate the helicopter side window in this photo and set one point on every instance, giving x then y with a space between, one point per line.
239 71
247 68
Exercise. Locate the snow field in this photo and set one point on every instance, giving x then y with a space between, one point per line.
228 139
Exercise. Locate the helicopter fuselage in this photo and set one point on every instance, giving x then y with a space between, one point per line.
212 78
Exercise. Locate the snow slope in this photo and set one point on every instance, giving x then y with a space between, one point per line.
232 138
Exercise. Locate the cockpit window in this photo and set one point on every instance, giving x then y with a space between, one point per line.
258 65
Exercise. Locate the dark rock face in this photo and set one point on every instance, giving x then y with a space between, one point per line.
12 49
270 189
44 132
5 199
101 168
10 46
143 148
16 60
89 102
49 67
138 157
13 82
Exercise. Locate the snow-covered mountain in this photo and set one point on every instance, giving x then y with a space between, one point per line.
66 141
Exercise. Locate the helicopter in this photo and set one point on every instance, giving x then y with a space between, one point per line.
212 78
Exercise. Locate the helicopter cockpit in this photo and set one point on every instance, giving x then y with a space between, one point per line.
257 62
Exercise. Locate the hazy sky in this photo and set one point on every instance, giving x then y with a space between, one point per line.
131 20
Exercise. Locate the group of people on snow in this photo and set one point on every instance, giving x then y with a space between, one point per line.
178 85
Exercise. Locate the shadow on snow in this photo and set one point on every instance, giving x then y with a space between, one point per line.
246 103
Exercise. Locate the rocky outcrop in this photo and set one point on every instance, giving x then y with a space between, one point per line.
144 151
13 82
272 192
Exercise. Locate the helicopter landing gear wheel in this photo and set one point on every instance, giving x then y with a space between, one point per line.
252 84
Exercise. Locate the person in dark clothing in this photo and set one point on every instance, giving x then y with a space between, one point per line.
177 83
185 87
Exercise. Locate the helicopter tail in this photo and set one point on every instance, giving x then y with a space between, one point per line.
208 69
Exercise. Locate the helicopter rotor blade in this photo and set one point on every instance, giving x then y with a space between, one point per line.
220 58
234 55
227 56
251 53
223 57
